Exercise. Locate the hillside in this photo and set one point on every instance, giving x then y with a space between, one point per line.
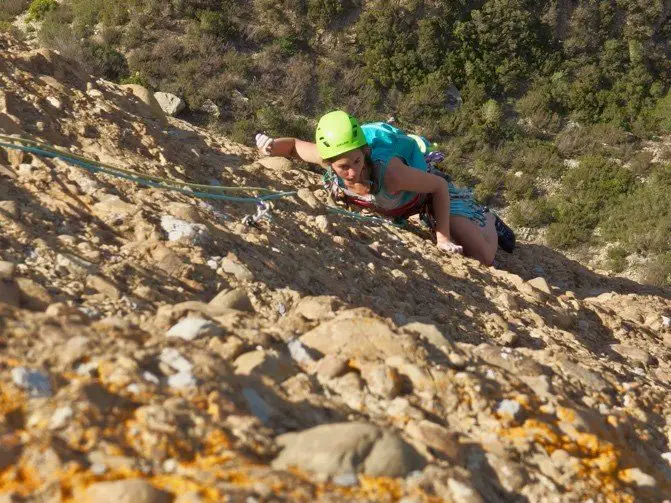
157 349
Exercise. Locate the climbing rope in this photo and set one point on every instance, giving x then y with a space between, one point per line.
191 189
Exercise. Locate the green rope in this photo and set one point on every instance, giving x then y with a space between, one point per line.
191 189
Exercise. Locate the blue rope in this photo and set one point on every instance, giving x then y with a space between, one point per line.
94 168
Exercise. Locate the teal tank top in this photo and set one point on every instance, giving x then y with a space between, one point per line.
386 142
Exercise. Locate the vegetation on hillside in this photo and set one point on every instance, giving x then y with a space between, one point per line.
512 89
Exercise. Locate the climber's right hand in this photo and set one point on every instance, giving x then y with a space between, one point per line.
451 248
264 143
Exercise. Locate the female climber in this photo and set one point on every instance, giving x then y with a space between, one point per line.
377 166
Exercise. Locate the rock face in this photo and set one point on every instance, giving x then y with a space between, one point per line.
154 348
337 449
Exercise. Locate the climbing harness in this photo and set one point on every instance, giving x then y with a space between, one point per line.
217 192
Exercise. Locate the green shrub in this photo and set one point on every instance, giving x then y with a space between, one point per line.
106 61
57 34
662 113
531 213
11 8
658 271
642 221
588 193
39 8
617 259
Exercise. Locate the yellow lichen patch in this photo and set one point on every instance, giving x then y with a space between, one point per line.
11 400
380 488
20 479
566 415
538 431
216 441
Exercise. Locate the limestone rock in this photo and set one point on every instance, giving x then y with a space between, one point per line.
356 336
342 448
169 103
33 295
231 299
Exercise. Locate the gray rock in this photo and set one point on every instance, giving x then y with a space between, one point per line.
231 299
126 491
348 448
36 383
192 328
169 103
257 405
210 107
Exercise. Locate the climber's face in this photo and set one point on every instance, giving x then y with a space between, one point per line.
349 165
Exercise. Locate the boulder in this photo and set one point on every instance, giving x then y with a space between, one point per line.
169 103
342 448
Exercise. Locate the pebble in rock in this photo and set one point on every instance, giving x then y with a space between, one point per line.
172 358
192 328
182 380
509 408
178 229
638 477
35 382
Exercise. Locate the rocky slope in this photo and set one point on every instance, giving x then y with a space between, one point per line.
155 349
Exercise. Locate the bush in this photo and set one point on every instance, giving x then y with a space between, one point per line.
39 8
588 193
531 213
105 61
12 8
617 259
57 34
658 272
642 221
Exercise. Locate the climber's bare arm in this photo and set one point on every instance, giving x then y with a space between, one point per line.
290 147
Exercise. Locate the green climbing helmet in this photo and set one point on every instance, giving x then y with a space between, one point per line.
338 132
